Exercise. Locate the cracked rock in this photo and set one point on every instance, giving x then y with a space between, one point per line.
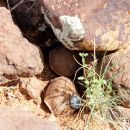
18 57
78 24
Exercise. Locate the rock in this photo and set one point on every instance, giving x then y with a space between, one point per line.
62 61
29 18
119 69
80 24
18 57
16 119
122 112
32 87
47 73
2 3
57 96
124 94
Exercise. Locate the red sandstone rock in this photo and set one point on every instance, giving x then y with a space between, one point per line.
78 24
57 96
2 3
15 119
32 87
119 69
119 64
18 57
62 61
122 112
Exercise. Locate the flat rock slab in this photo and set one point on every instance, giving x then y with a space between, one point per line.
15 119
78 24
18 57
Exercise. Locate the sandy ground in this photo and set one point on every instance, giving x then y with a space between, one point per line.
11 96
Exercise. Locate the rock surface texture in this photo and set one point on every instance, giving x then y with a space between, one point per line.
32 87
15 119
78 24
57 96
18 57
119 69
122 112
62 61
2 3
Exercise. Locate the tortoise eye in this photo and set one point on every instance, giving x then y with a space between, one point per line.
75 102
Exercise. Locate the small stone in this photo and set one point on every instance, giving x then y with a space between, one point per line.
57 96
62 61
32 87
